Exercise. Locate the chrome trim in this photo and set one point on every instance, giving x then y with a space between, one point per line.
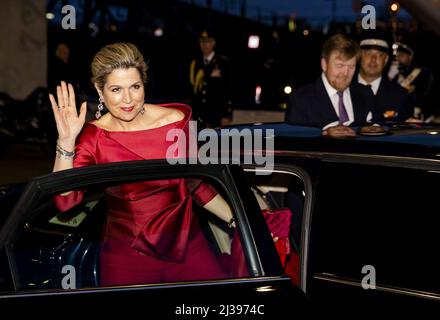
370 159
384 288
264 281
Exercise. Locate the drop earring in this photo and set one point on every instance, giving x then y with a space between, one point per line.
100 108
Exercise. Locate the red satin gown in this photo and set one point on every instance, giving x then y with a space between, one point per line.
150 234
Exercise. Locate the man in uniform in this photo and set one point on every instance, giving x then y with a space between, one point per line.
210 80
417 80
392 102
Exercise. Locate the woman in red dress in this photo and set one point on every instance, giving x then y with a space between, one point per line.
150 234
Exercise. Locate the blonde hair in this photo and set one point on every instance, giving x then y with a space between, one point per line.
341 44
119 55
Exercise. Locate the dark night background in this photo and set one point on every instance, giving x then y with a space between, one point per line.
285 57
291 35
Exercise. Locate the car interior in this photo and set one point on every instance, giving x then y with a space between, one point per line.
51 239
280 190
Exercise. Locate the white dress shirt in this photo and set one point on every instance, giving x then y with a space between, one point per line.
208 58
374 85
346 98
334 98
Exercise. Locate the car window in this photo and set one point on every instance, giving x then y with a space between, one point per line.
384 218
281 190
143 232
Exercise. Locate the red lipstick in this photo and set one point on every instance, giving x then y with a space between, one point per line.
127 109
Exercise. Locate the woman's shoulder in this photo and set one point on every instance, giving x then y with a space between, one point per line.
169 113
90 128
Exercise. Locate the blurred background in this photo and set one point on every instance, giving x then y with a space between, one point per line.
273 48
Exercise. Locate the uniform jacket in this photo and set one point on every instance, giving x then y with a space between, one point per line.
392 102
211 94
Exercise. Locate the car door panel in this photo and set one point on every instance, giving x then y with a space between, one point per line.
62 247
375 219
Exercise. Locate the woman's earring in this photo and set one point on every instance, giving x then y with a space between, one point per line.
142 110
100 108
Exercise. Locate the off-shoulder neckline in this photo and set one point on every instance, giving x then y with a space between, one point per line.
148 129
185 117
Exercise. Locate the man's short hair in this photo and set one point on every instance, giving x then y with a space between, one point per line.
341 44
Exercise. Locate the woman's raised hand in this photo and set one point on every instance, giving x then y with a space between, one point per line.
69 123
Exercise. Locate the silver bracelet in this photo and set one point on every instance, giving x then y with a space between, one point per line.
63 153
59 155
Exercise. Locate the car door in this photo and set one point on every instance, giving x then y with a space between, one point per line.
289 185
51 257
375 232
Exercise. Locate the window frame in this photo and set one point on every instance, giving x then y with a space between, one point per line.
55 183
299 172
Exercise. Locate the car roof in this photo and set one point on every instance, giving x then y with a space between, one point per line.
406 140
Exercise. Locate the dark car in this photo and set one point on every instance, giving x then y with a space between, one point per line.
368 228
364 227
48 257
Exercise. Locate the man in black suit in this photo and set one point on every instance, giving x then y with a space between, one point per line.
333 100
392 102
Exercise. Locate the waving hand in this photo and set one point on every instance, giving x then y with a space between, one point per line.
69 123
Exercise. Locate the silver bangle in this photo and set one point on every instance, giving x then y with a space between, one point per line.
59 155
64 154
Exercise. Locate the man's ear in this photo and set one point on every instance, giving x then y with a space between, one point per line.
323 64
386 60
